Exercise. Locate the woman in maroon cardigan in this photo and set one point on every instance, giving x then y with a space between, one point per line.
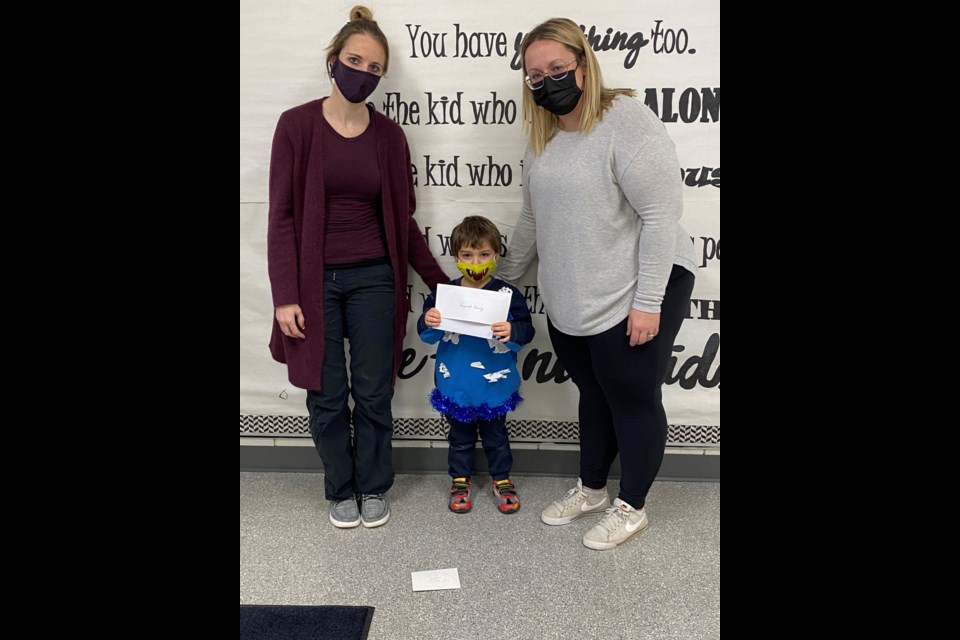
341 234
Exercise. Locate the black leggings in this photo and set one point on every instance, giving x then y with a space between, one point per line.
621 406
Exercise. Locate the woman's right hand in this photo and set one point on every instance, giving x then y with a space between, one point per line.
432 318
290 319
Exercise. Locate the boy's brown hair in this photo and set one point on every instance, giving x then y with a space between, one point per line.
472 232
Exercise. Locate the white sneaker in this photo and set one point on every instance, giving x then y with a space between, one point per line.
575 504
621 522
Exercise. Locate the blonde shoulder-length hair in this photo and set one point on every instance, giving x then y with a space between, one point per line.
540 124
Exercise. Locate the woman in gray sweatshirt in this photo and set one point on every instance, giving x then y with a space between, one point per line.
602 197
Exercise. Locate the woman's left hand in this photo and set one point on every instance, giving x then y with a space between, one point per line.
642 327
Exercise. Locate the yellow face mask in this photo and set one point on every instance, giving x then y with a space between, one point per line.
477 272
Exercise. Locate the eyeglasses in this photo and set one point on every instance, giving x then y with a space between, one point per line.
557 71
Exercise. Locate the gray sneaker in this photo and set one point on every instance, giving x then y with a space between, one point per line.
575 504
344 513
376 509
620 524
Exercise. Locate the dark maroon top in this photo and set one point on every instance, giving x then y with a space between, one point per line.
353 231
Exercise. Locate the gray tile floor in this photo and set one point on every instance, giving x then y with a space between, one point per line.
519 578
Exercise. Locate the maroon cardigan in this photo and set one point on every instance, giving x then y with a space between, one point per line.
295 233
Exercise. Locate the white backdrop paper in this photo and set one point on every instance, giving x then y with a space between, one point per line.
452 87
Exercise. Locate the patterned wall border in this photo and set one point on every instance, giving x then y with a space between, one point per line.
679 435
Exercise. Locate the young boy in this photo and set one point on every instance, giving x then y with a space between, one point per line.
477 379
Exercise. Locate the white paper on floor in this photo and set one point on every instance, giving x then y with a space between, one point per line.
435 580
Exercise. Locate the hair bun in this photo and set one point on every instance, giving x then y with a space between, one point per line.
360 12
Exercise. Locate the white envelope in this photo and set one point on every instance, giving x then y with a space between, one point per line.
435 580
471 311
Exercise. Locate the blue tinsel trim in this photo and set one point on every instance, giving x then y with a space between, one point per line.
448 407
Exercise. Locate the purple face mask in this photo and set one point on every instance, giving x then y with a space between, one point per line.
355 85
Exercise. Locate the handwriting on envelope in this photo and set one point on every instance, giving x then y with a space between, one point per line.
471 311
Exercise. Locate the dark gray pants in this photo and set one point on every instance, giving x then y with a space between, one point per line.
359 305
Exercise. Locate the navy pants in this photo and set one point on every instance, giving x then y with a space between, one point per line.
357 302
496 445
621 406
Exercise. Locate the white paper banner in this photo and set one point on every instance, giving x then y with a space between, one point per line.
454 86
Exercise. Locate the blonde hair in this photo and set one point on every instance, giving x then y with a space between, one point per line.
472 232
540 124
361 22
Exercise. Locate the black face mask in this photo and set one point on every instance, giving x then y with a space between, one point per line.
355 85
559 97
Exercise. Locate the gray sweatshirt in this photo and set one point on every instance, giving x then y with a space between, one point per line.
601 211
